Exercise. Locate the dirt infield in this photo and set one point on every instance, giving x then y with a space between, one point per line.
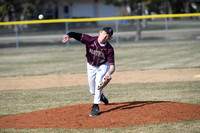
113 115
47 81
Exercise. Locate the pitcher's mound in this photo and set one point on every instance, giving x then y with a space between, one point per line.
113 115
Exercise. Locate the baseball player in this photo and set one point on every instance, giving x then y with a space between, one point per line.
100 62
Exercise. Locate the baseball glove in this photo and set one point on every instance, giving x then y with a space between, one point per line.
104 82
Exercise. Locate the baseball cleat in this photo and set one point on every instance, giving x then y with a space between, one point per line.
95 110
104 99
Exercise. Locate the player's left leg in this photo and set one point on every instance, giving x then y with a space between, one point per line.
95 75
101 71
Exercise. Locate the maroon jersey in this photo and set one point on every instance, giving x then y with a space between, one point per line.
95 53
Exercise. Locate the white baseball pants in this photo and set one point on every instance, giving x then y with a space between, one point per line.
95 75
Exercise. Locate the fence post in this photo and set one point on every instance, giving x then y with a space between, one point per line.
66 31
116 32
166 31
17 38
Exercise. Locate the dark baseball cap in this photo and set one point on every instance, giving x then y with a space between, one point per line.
108 30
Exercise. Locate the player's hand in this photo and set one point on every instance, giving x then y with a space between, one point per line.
107 74
65 38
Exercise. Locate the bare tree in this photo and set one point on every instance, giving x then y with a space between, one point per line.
136 9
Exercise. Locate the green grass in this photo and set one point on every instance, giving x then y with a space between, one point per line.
173 127
56 59
22 101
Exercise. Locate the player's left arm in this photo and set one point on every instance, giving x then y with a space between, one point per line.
110 71
111 60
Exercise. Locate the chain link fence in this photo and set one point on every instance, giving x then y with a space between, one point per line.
157 31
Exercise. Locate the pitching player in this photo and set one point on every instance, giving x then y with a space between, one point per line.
100 61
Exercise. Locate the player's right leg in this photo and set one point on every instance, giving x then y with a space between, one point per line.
91 72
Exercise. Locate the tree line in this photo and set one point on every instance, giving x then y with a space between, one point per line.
15 10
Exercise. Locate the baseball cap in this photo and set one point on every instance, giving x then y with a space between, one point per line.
108 30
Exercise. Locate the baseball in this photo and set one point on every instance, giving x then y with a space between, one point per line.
40 16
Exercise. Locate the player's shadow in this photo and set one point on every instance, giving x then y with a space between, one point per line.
130 105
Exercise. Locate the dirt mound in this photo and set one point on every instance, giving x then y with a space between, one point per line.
113 115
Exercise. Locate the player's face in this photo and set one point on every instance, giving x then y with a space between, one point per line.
103 37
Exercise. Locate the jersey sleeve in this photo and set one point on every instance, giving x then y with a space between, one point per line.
86 39
75 35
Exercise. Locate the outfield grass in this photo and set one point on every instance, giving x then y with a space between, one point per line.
56 60
22 101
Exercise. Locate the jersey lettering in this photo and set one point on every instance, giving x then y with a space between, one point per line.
97 53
